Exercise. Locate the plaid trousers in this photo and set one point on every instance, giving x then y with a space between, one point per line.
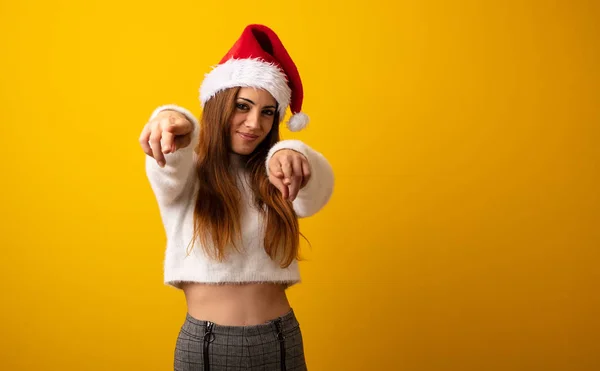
273 346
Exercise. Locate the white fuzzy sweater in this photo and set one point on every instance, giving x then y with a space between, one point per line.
175 188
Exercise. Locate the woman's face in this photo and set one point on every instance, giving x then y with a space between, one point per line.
252 119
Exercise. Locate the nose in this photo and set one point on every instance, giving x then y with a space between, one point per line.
252 119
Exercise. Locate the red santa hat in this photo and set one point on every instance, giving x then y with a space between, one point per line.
259 59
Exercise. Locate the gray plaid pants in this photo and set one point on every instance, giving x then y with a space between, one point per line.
273 346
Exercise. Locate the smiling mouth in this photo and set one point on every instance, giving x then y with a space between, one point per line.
248 137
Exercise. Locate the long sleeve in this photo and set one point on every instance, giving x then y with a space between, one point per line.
317 192
170 181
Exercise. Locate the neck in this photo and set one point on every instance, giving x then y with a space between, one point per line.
237 160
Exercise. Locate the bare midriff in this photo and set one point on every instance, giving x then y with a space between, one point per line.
239 304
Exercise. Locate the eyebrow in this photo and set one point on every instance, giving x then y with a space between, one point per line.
251 102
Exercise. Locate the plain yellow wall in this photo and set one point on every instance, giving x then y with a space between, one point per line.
464 231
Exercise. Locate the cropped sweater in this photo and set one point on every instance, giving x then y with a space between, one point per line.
175 188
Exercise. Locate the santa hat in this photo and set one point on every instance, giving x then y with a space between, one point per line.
259 59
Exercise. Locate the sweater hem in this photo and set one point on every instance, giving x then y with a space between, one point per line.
177 283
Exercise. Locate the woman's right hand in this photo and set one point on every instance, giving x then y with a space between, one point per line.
166 133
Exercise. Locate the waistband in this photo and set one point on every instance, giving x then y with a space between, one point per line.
196 327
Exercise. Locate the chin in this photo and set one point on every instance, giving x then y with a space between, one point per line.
242 151
244 148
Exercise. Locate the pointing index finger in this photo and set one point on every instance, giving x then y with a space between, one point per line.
278 183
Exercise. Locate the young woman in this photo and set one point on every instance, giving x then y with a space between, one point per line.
230 194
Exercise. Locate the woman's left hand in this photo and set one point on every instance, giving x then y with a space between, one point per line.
289 171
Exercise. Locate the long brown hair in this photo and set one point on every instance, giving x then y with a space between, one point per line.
217 210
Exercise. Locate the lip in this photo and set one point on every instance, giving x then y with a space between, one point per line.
247 137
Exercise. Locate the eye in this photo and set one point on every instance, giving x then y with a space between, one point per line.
268 112
241 106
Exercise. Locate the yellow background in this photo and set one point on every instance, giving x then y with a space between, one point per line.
464 231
